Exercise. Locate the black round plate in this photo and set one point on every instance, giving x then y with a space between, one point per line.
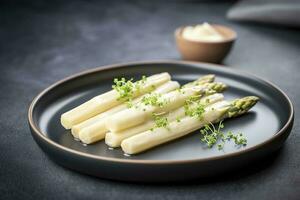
266 126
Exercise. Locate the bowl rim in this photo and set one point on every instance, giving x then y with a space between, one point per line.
37 133
178 34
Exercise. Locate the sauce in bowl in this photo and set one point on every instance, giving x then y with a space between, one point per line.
202 32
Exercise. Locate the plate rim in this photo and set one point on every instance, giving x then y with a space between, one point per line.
41 135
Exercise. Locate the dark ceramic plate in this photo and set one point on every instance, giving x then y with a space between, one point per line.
266 126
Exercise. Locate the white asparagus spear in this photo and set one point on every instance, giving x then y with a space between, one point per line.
114 139
135 116
96 129
164 88
108 100
213 113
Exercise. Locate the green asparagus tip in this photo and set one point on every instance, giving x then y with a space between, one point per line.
217 86
206 79
202 80
241 106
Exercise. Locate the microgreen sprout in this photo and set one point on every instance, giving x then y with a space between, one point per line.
126 89
193 107
153 99
212 135
238 138
160 121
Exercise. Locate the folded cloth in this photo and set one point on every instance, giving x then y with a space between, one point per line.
280 12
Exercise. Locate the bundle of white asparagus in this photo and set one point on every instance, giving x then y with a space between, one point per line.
109 100
141 115
212 114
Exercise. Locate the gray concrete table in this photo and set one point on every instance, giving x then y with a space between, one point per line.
42 43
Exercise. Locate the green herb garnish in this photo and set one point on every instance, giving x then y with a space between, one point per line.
193 107
160 121
193 99
212 135
238 138
195 110
153 99
126 89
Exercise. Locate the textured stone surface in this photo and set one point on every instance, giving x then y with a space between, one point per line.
42 43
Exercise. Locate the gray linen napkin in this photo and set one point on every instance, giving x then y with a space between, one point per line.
284 12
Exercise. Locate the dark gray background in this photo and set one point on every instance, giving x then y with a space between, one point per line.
41 43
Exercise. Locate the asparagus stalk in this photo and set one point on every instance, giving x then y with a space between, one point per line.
212 114
135 116
114 139
108 100
94 129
